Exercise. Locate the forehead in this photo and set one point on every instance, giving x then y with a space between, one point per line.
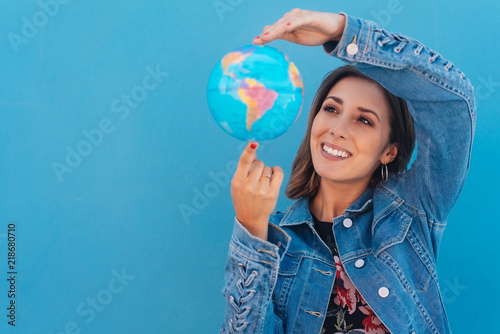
359 92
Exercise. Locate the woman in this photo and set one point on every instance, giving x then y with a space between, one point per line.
357 252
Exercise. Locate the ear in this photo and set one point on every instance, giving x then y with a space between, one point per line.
389 154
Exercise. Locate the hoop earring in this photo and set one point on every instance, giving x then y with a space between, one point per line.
385 172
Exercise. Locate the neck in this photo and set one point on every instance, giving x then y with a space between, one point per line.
333 198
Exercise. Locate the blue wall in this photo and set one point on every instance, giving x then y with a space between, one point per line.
116 177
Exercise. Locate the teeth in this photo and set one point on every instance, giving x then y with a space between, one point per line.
335 152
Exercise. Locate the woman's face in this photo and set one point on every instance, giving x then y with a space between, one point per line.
350 133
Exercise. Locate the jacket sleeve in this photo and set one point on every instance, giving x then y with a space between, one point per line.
439 97
250 276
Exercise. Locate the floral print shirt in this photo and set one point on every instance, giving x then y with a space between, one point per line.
347 311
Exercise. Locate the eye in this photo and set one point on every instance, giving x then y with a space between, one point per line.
365 120
330 109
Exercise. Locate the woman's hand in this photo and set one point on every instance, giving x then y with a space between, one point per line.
255 189
304 27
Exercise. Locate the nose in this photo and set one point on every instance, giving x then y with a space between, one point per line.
340 129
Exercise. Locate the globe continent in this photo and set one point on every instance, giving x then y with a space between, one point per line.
255 93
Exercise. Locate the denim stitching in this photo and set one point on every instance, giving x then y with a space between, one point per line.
318 314
406 225
418 49
400 47
239 324
384 41
327 273
422 253
251 258
386 258
393 264
433 57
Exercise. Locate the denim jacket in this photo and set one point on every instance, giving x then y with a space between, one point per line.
388 239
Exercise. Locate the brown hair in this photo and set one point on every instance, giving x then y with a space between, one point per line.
304 181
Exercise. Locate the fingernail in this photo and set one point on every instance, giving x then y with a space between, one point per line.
267 33
257 37
253 145
288 23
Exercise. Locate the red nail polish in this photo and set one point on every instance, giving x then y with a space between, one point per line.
257 37
266 34
288 23
253 145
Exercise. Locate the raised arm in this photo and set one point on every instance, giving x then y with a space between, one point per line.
255 250
439 97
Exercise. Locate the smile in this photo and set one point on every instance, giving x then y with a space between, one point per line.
336 152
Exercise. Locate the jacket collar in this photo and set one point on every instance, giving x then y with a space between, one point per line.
298 212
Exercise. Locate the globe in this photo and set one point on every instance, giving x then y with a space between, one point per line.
255 93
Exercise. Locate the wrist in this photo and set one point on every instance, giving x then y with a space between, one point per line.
259 231
341 19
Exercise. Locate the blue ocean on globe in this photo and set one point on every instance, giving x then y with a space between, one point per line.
255 93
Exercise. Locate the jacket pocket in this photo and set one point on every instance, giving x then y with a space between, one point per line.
410 262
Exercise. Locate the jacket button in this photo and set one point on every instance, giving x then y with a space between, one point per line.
359 263
347 223
352 49
383 292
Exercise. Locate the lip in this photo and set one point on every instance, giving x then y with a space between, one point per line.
335 147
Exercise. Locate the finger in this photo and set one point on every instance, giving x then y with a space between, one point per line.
294 11
285 18
267 174
277 178
248 156
289 15
255 171
280 30
258 38
266 28
285 28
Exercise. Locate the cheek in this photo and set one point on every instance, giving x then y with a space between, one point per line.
372 142
319 125
315 129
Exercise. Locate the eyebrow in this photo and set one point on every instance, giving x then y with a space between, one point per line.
340 101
